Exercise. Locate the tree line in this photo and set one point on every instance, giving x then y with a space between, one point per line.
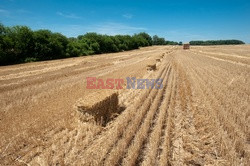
216 42
19 44
161 41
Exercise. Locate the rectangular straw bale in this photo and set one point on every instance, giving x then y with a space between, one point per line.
98 107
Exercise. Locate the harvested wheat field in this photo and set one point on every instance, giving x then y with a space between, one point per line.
200 116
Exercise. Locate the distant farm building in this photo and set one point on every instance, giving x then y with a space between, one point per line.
186 46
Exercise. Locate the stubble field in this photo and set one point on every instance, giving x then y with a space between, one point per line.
201 116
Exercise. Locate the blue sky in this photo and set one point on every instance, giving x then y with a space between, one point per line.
174 20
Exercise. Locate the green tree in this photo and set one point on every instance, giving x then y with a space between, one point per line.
43 49
49 45
16 44
58 43
158 41
146 37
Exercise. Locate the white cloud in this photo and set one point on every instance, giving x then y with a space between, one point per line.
127 16
4 12
109 28
22 11
68 15
184 35
112 28
68 30
13 14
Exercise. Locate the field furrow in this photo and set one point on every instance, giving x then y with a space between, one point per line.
137 144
